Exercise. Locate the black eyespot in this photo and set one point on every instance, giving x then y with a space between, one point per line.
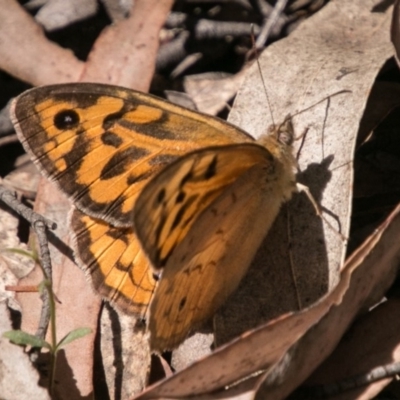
66 119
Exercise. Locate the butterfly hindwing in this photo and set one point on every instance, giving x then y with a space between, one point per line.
117 266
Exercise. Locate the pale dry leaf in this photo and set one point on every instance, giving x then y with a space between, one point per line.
125 355
193 348
34 4
28 55
57 14
289 348
117 10
124 54
17 264
19 379
180 98
212 91
12 266
308 70
24 178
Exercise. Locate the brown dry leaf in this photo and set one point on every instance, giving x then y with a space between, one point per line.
124 53
26 53
289 348
78 305
369 272
371 342
384 97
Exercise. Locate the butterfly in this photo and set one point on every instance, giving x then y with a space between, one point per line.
170 205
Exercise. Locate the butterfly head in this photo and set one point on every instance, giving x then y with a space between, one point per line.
283 132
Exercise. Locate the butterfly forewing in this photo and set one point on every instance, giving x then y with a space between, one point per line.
220 233
101 144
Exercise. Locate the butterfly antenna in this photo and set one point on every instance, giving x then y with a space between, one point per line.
261 74
320 101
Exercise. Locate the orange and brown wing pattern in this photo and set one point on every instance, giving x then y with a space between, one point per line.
101 143
199 221
115 262
171 203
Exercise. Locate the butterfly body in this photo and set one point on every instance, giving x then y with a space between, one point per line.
154 181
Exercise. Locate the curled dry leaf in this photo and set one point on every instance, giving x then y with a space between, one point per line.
372 341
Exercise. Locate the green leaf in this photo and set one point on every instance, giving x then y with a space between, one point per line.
26 339
73 335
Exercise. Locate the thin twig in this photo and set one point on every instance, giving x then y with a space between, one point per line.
270 23
40 225
8 139
354 382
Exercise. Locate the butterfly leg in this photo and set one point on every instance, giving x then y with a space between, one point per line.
305 189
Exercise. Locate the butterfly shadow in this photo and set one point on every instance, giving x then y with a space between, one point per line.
291 268
65 374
